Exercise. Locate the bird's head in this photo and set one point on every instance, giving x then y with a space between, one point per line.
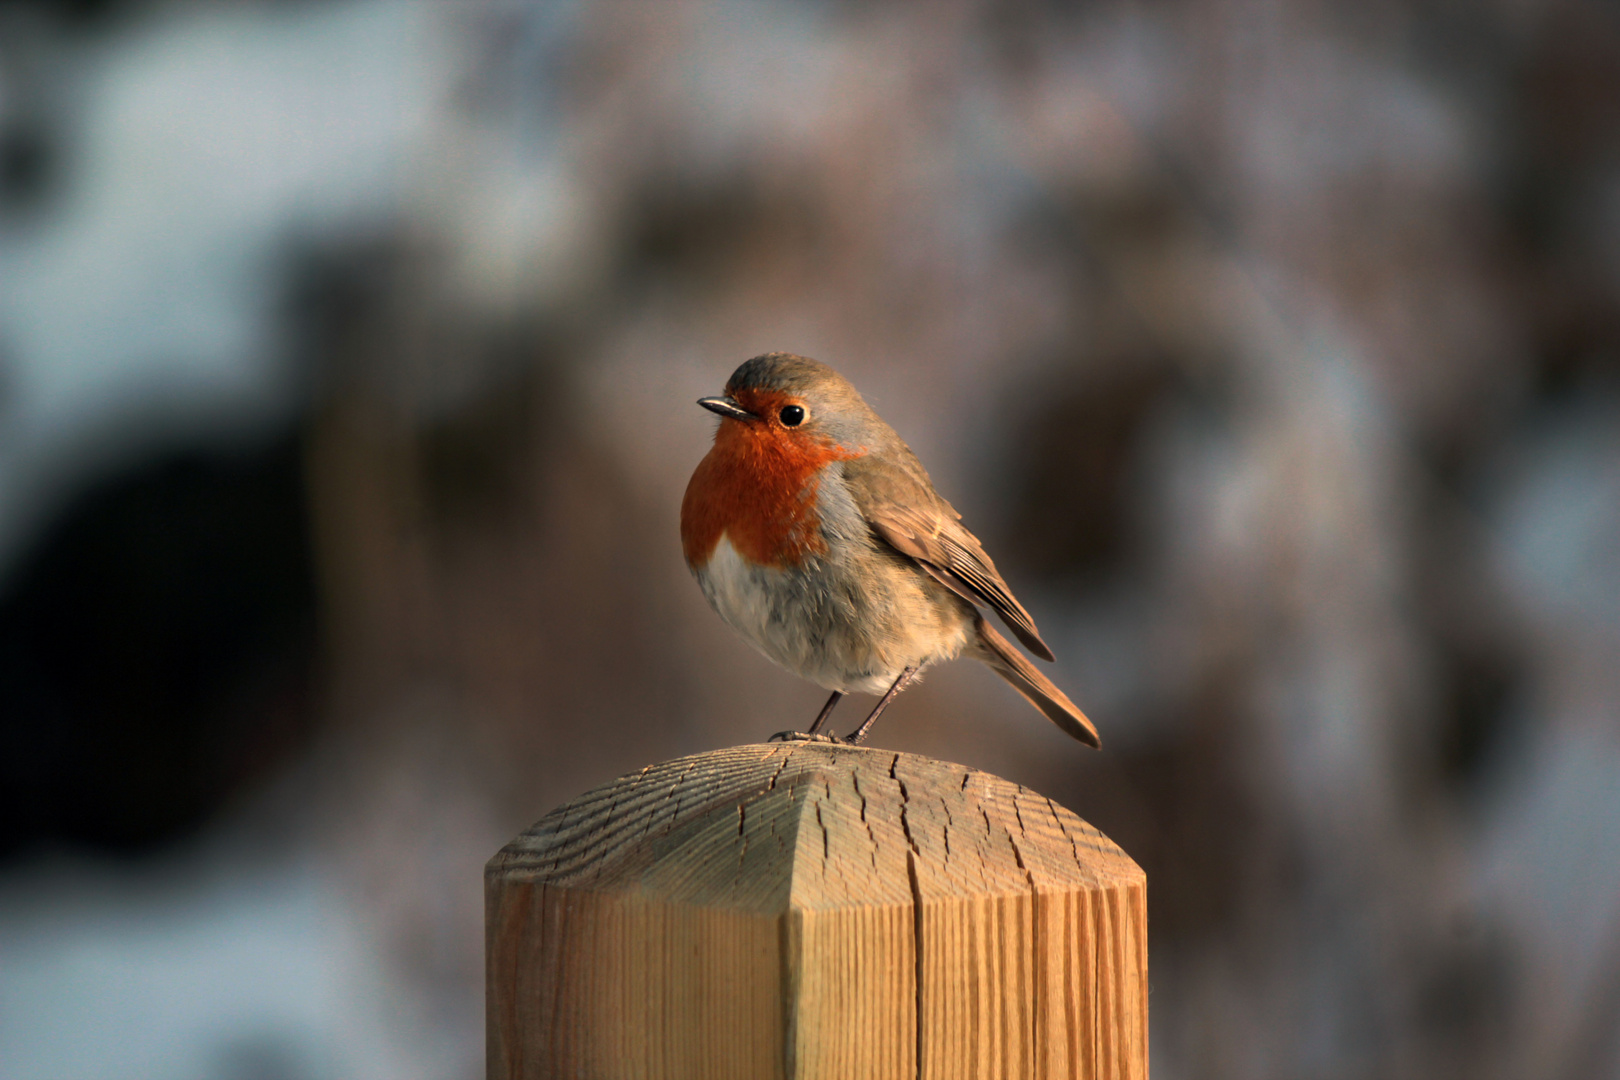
795 401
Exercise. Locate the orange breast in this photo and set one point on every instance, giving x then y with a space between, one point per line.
757 486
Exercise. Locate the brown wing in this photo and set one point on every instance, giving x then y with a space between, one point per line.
953 557
892 490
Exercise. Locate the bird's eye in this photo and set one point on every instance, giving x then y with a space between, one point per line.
791 415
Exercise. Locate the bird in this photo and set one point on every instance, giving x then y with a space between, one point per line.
815 533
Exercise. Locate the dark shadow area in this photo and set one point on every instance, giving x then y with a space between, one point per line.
157 650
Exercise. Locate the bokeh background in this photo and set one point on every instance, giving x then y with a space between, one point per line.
347 360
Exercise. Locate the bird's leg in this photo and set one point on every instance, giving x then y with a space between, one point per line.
859 733
826 711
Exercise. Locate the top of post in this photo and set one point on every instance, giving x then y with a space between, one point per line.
812 827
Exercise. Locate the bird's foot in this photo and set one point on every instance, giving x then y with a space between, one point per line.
805 736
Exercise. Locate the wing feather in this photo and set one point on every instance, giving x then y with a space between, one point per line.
954 558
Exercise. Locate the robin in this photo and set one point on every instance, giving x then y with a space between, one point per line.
815 533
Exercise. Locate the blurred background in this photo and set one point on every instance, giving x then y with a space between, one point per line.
348 353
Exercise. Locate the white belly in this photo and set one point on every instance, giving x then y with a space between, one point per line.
803 620
743 595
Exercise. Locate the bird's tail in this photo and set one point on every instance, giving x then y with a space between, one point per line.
1011 665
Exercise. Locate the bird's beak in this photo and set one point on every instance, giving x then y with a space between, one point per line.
726 406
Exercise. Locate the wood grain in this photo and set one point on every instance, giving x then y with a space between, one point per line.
804 910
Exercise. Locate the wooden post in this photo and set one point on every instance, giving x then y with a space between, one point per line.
806 910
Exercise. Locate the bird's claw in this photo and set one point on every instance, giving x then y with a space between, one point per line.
805 736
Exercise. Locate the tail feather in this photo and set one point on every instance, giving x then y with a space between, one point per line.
1010 664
